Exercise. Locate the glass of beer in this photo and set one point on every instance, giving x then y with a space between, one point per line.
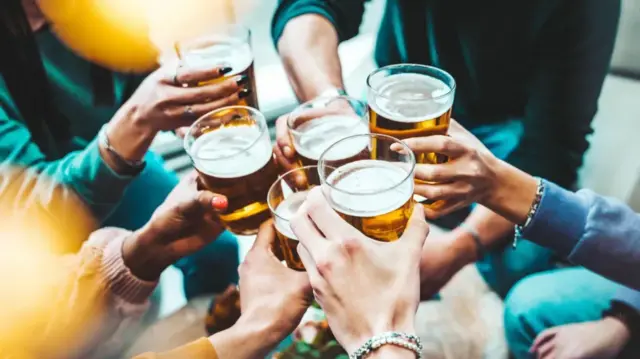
231 150
372 190
410 100
319 123
224 46
285 197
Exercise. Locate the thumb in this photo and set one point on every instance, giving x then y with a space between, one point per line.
417 228
204 202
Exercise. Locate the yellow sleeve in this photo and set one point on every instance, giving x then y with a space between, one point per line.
199 349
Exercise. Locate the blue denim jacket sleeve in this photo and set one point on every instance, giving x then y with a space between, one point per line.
602 234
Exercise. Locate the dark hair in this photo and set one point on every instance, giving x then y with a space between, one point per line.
26 79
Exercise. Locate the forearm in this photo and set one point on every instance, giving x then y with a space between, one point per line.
309 50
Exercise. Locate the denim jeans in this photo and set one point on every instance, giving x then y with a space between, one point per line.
209 271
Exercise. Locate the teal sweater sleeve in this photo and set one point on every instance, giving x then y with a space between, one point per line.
83 173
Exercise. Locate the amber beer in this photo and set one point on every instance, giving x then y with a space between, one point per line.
411 101
317 124
228 46
231 150
374 195
285 198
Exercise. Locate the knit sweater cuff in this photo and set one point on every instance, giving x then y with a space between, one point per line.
119 278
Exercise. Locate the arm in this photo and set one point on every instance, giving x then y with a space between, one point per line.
307 34
69 306
599 233
574 50
52 184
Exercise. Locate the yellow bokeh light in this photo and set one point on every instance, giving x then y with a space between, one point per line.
128 35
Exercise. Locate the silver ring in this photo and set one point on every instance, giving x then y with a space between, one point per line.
188 112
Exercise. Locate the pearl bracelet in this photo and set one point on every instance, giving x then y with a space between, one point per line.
403 340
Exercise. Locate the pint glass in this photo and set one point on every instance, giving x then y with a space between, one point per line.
285 197
372 191
228 46
231 150
317 124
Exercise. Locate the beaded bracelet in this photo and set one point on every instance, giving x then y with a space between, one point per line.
403 340
519 228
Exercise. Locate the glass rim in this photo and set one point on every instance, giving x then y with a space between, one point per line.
321 163
261 120
246 36
279 180
424 67
327 98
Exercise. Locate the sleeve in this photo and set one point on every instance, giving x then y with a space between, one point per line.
345 15
628 297
602 234
82 301
34 179
199 349
572 56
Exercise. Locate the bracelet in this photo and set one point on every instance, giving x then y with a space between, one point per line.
520 228
128 166
481 250
403 340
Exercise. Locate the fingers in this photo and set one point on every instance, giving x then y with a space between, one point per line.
307 233
417 228
542 339
439 144
192 76
437 173
203 202
444 209
315 278
325 218
266 236
187 114
440 191
283 140
207 93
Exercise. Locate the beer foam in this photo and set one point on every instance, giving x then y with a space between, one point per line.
411 98
374 179
230 152
221 52
317 135
286 210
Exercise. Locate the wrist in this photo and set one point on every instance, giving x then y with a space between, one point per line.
512 194
141 256
245 339
406 325
129 134
463 248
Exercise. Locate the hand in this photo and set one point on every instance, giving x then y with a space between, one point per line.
469 177
284 150
164 97
273 299
365 287
185 223
602 339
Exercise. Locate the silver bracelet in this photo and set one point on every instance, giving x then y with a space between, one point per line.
519 228
403 340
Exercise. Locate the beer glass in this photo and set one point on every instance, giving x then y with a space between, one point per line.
231 150
373 190
317 124
285 197
410 100
224 46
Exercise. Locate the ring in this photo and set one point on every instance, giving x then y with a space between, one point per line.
188 112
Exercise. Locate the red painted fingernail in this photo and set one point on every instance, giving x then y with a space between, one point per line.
219 202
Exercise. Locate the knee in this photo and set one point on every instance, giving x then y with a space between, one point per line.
524 316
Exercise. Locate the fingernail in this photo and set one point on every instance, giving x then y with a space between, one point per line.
225 70
287 151
219 203
242 80
244 93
